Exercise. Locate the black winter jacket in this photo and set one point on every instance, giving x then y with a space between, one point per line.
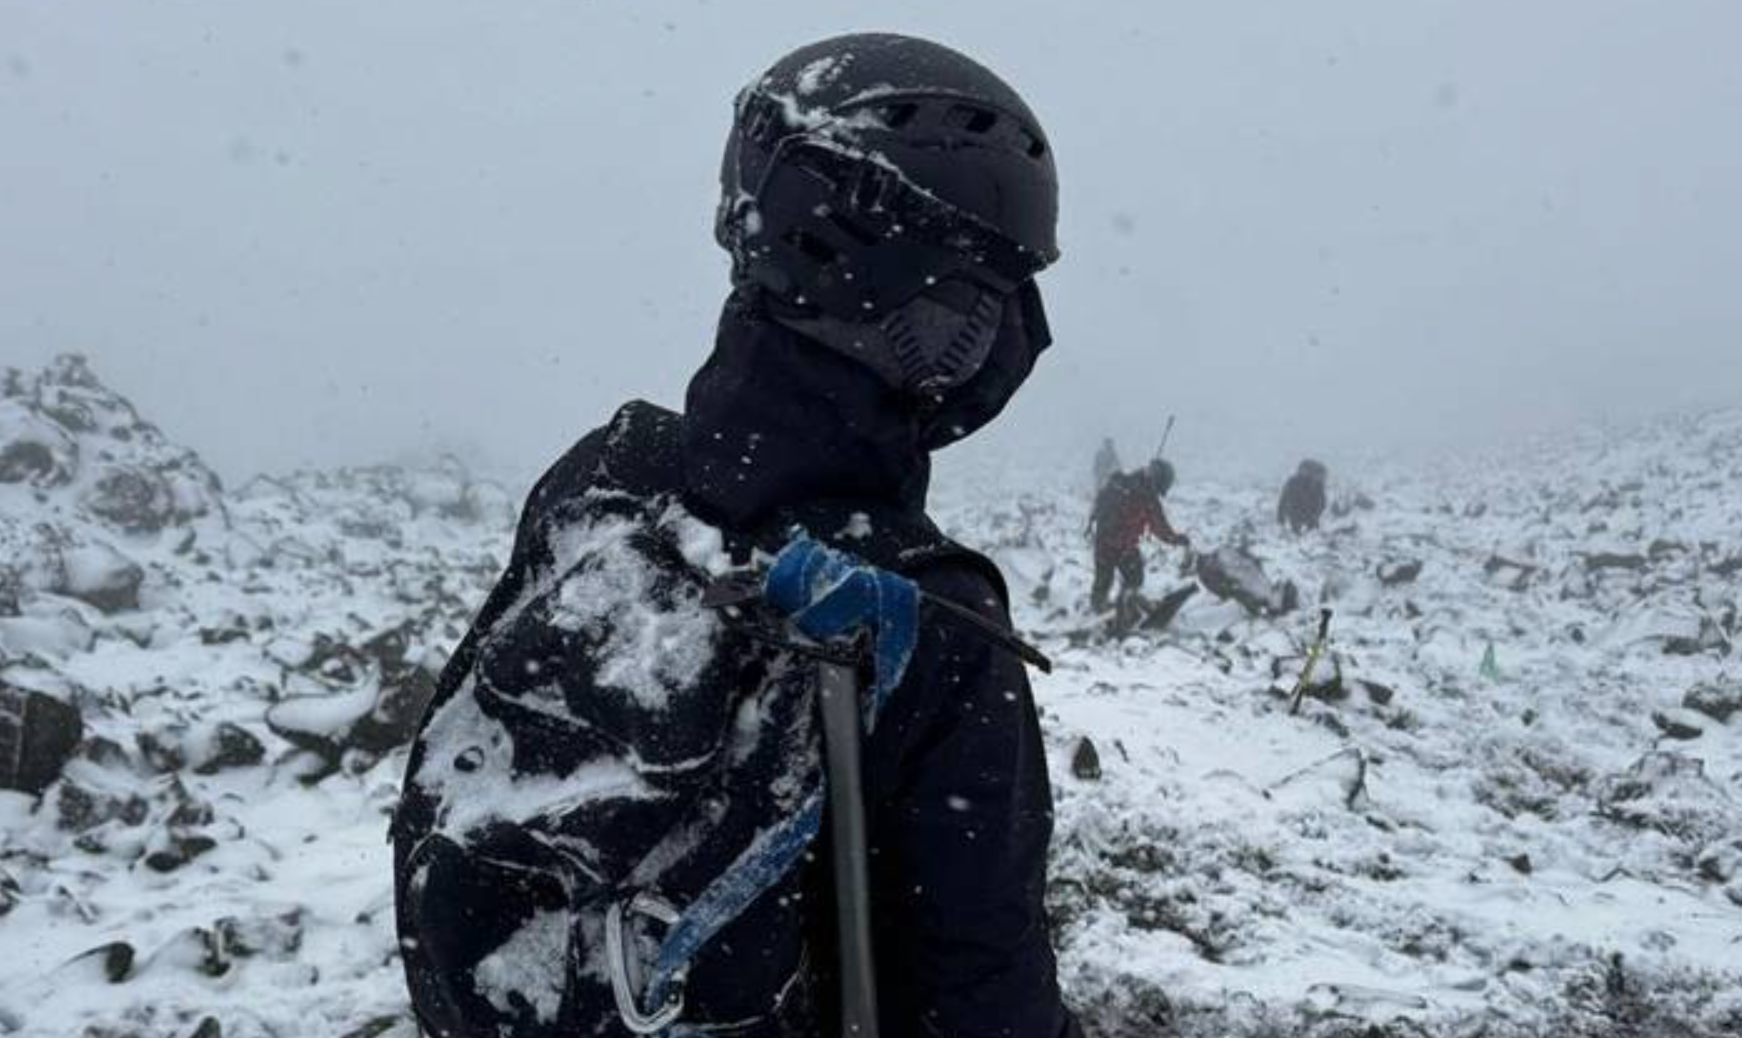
958 797
960 805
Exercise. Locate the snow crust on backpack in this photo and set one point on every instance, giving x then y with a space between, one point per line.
531 966
609 735
469 772
648 637
649 649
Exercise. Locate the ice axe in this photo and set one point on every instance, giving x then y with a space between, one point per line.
835 609
1314 654
1168 432
843 729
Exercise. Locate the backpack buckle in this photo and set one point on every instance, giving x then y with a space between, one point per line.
626 972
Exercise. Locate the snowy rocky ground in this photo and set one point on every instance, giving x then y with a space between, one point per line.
1512 804
1548 844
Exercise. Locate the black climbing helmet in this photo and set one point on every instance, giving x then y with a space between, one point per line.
1161 475
890 198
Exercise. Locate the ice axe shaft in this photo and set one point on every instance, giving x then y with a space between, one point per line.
842 728
1166 434
1312 661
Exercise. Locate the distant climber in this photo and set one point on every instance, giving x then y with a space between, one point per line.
1303 498
1129 506
1106 463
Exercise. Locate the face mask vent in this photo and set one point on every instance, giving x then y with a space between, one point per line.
939 344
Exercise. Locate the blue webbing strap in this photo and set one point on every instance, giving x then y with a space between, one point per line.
827 594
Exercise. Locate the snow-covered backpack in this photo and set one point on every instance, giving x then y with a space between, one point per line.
605 809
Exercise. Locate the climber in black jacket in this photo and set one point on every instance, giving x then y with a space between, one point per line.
887 203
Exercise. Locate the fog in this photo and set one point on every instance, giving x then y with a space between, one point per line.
327 231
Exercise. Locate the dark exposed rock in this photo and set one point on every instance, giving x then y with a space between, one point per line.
1663 549
1086 760
190 811
104 752
236 630
278 936
1378 693
38 735
178 850
198 949
1521 864
33 450
1514 576
1711 638
373 1027
1675 727
114 959
1721 862
28 461
11 591
1719 702
1164 611
134 500
1610 560
230 746
81 805
1236 575
9 893
324 725
161 750
1137 613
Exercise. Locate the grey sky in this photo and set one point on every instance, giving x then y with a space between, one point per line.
332 231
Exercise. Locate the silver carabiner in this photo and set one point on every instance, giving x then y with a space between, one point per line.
625 972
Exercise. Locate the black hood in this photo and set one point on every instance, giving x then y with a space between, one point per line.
773 419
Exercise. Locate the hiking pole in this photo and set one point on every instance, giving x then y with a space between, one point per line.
1161 451
842 727
1312 661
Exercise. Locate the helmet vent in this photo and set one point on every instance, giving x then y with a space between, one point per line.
974 120
1036 147
897 116
762 121
870 188
812 246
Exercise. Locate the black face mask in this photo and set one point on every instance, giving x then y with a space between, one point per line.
927 346
1022 335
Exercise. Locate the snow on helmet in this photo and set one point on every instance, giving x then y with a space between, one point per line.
889 198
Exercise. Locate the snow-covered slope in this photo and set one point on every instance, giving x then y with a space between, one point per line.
215 849
1549 842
